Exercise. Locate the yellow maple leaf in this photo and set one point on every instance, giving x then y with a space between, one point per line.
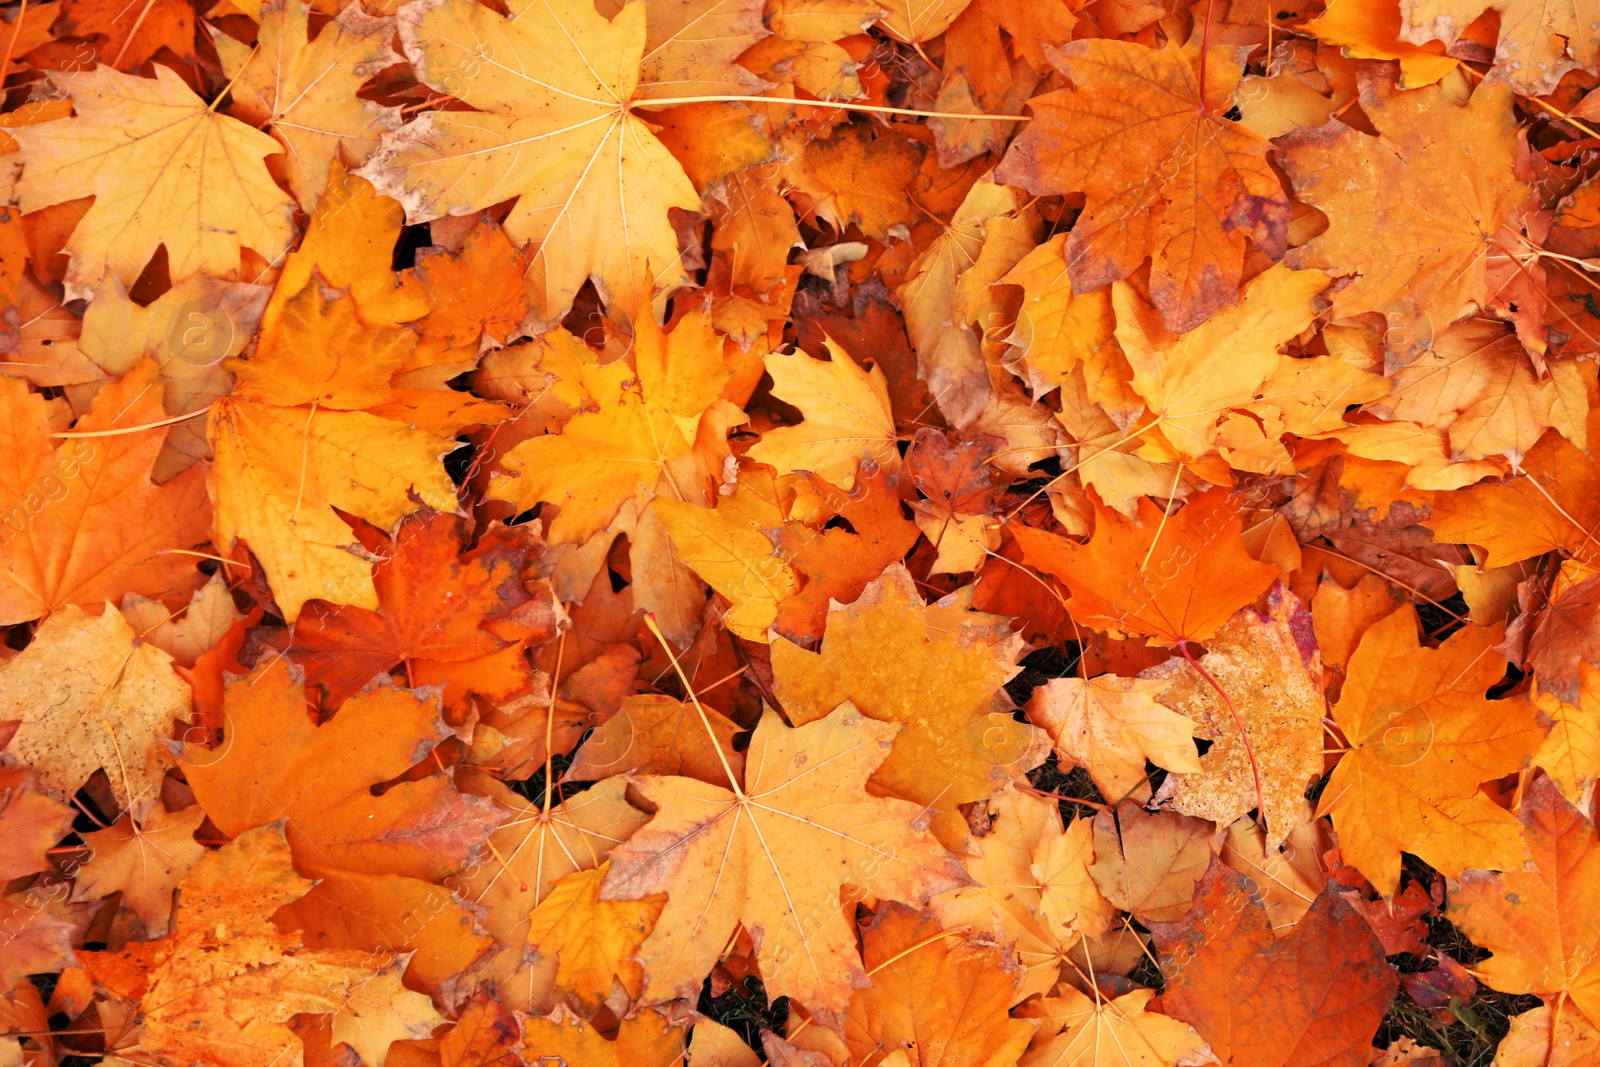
938 669
89 695
1190 380
1110 726
554 86
727 547
1079 1032
164 168
304 90
292 442
1571 753
143 862
847 416
801 827
595 939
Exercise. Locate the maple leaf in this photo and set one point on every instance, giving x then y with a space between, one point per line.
534 78
433 927
1530 1042
806 789
1034 889
1423 736
838 564
645 1039
30 822
654 734
305 90
847 417
1536 45
1412 212
534 847
34 942
292 444
127 43
1539 923
1147 863
1477 381
1315 995
189 331
321 778
944 996
595 939
1165 174
89 694
1570 754
144 862
1190 382
1079 1032
646 418
1195 582
938 669
221 988
439 606
350 242
691 47
727 548
83 523
206 171
1110 726
1553 505
1266 733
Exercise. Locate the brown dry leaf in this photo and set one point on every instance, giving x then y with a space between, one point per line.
936 668
804 790
1267 731
1412 212
1165 173
89 695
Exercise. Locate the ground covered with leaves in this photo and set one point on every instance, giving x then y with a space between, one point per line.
957 533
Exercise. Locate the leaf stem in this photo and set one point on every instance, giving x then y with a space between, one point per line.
123 430
874 109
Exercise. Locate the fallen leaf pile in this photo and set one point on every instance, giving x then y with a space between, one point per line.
821 533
